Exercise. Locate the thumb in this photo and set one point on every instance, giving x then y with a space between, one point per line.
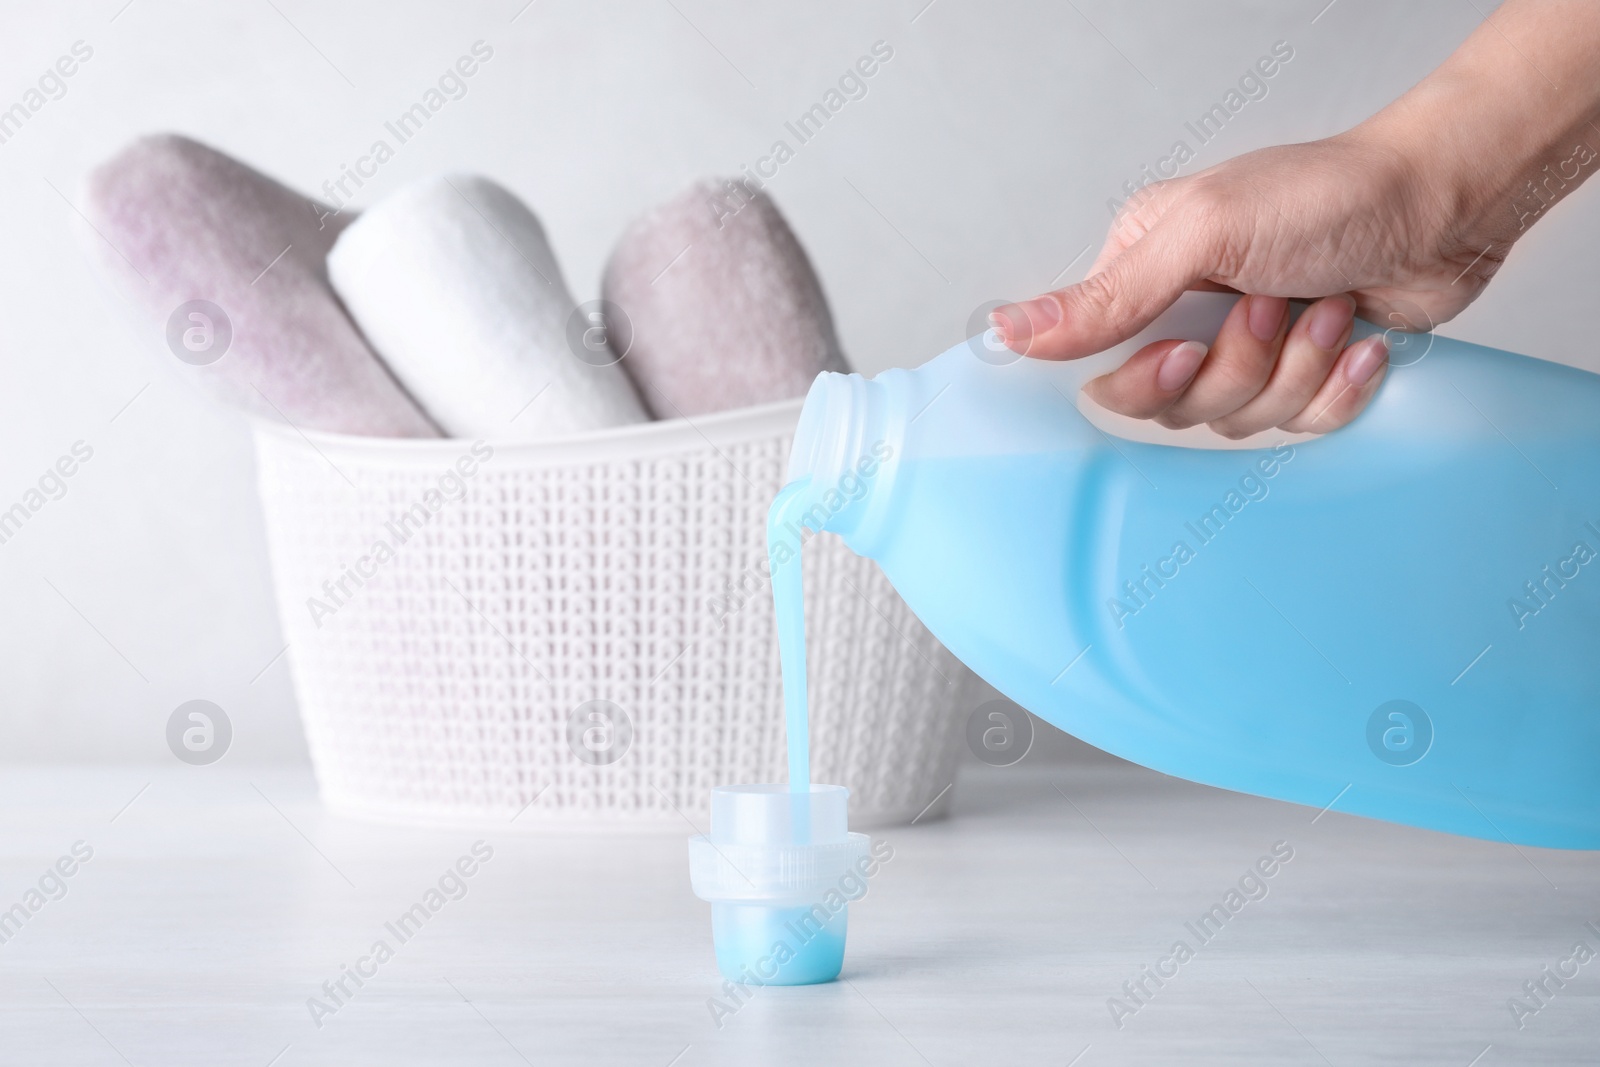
1110 306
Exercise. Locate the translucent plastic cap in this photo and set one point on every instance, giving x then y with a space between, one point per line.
771 844
779 867
773 814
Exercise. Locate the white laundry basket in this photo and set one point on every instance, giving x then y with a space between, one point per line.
576 634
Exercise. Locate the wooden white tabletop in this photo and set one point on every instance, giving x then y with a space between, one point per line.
218 901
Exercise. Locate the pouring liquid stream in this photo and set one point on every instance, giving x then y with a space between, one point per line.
784 538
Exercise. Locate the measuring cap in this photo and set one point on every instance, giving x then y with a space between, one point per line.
780 868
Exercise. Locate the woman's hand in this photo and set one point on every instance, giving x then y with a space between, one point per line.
1402 220
1339 220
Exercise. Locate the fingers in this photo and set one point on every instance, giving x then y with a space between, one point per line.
1112 305
1241 361
1178 388
1151 381
1355 378
1308 355
1260 373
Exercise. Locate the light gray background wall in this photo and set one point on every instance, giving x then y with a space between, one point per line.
978 166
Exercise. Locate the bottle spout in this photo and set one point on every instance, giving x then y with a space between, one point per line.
832 428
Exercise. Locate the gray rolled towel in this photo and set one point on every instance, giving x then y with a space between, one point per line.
179 223
724 307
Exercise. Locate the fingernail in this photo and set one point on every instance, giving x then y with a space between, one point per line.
1001 327
1364 362
1328 320
1179 365
1265 314
1025 321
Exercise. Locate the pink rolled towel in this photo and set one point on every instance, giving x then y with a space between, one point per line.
186 223
724 307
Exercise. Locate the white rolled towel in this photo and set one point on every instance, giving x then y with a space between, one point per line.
455 286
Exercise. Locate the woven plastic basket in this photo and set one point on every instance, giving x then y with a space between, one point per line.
578 634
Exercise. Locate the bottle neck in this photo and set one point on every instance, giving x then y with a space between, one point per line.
848 444
833 423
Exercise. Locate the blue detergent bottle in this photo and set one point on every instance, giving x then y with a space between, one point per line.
1400 619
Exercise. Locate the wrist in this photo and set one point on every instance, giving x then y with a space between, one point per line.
1504 129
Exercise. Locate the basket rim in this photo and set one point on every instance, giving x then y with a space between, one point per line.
633 441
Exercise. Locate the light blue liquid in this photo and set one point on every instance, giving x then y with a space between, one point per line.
1401 621
779 946
788 597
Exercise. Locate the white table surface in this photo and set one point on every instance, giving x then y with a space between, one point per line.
222 898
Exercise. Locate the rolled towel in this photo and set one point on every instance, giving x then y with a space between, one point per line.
183 223
724 306
453 282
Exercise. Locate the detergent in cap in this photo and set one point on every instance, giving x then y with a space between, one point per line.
779 867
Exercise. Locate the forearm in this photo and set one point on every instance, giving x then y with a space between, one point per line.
1507 126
